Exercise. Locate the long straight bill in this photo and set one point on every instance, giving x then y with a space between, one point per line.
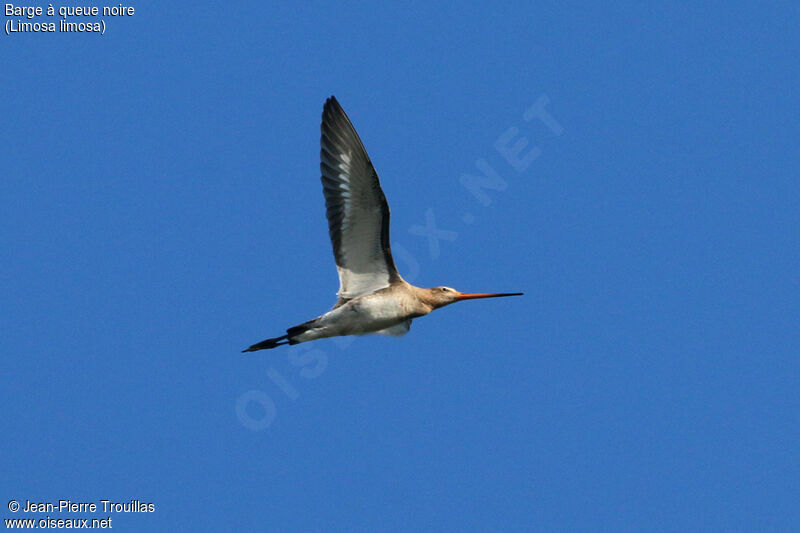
473 296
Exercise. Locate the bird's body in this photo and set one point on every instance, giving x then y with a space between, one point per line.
373 297
389 311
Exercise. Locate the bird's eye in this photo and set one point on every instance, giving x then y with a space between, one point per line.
445 289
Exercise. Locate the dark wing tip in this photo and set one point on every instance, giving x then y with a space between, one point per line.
332 106
338 131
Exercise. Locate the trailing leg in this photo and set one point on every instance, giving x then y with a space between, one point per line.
268 344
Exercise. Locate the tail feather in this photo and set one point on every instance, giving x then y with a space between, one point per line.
296 331
289 338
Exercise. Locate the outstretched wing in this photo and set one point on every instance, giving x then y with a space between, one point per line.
358 215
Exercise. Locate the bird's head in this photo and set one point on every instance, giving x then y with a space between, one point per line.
441 296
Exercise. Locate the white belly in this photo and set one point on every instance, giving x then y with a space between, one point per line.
366 315
384 312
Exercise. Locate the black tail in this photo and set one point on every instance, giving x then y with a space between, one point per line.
287 339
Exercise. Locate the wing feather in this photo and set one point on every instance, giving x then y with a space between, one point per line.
356 208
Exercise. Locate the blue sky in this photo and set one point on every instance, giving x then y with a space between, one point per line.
161 210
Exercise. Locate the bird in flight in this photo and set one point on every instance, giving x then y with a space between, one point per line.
373 298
